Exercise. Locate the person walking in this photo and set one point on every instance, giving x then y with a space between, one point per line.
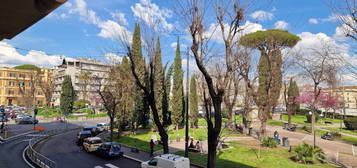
152 144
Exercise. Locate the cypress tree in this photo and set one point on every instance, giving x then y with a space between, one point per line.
67 95
177 90
166 99
141 111
193 105
293 92
159 80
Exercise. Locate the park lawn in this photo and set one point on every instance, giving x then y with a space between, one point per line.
141 140
240 156
275 123
203 122
344 130
343 138
301 119
49 112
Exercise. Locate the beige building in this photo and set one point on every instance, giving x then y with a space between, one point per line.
16 86
346 93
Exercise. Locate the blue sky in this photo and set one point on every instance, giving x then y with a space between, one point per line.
86 28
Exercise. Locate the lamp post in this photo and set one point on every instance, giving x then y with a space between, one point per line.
187 94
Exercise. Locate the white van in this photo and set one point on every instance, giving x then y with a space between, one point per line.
167 161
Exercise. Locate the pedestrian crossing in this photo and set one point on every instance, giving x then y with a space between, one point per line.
107 166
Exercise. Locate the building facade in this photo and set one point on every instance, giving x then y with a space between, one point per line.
82 72
347 94
22 87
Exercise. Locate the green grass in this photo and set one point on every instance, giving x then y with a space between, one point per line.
49 112
343 138
275 123
141 141
344 130
203 122
246 157
301 119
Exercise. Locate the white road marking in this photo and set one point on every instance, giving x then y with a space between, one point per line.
98 167
26 140
111 166
36 135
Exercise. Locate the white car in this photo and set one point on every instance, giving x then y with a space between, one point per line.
167 161
102 127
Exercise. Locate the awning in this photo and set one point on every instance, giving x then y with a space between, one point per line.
17 15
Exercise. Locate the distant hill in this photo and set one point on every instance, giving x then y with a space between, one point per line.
27 67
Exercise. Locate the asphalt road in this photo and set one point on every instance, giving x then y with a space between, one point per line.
63 150
11 151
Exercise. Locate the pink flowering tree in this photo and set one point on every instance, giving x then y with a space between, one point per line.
324 100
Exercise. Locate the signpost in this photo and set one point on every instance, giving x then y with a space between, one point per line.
35 111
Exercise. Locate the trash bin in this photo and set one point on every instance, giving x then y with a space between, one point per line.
285 142
250 131
285 126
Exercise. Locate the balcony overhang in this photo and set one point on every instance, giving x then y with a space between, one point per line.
17 15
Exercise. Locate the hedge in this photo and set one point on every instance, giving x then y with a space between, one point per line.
351 123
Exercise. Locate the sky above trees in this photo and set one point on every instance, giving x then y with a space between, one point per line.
89 28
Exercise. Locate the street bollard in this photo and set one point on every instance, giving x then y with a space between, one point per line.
5 134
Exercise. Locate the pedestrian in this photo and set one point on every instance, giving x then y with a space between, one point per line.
152 144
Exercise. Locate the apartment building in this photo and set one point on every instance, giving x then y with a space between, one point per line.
77 68
17 86
346 93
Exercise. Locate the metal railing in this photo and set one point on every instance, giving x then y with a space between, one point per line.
37 158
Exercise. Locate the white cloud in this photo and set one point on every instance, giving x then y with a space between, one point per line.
109 29
112 30
121 18
331 18
182 46
152 15
313 21
281 24
113 58
262 15
192 65
214 31
10 57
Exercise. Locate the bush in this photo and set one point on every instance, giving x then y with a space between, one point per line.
307 154
308 117
81 103
351 123
269 142
335 134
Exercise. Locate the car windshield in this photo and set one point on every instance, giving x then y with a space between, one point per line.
87 129
97 141
116 147
153 162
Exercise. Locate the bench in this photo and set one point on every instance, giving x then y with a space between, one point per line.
328 122
195 150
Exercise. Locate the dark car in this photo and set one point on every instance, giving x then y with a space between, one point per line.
327 136
26 120
81 136
109 150
92 129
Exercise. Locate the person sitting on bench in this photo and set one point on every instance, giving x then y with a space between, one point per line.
276 136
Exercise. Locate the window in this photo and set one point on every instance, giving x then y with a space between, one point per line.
22 84
39 102
10 92
11 83
39 93
12 74
22 75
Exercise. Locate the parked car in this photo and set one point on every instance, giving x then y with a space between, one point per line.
26 120
327 136
81 136
91 144
92 129
109 150
102 127
167 161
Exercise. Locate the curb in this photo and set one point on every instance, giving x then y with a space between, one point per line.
25 159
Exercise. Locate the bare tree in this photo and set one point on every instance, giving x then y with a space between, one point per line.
85 77
27 85
194 15
110 88
316 64
48 87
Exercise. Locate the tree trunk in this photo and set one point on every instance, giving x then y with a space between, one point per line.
212 147
111 128
262 114
230 117
289 118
